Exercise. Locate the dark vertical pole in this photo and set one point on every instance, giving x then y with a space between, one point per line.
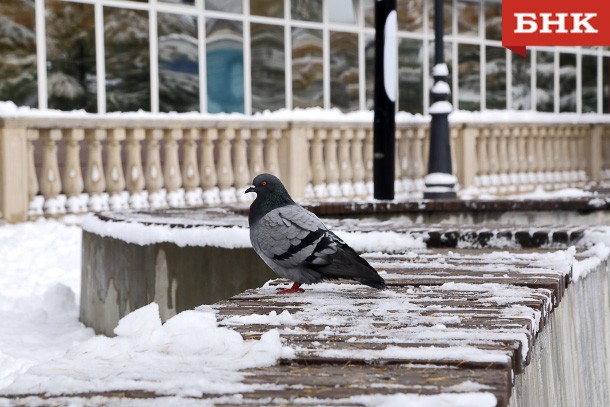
440 183
384 125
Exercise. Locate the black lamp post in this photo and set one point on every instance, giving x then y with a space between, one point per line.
384 125
440 181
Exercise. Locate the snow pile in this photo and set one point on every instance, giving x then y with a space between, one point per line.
188 355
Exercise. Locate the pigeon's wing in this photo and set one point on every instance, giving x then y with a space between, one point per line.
290 235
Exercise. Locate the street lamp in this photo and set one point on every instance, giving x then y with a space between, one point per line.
440 181
384 125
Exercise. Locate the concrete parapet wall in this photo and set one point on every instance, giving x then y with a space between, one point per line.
570 363
119 277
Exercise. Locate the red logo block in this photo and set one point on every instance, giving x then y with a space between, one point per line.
555 22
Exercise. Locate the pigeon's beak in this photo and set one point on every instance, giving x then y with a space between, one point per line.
251 189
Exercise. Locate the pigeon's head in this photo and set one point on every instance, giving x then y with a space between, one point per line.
266 184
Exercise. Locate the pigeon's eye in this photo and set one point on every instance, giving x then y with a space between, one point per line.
264 183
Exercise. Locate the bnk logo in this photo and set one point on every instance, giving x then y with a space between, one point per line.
548 23
555 22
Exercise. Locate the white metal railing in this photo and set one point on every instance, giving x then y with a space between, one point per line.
52 166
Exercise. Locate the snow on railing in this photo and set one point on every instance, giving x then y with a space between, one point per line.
53 163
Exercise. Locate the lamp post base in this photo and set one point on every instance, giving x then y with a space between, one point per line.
434 194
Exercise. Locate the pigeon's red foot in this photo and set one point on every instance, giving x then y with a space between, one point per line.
296 288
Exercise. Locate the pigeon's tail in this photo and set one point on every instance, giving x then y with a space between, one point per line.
377 283
346 263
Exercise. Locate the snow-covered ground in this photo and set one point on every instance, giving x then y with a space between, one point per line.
45 349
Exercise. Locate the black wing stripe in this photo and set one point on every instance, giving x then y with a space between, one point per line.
306 242
322 244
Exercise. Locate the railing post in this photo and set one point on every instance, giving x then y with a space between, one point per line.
190 168
466 163
95 181
240 165
318 170
115 178
171 168
13 174
153 176
208 175
35 201
135 171
50 179
330 158
293 165
73 176
594 169
225 167
345 166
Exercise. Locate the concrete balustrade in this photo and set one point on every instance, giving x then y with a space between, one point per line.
51 167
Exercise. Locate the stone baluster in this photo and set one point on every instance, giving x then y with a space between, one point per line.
257 163
134 181
531 135
50 182
570 152
418 151
482 157
318 169
240 164
330 158
522 157
406 163
171 168
35 201
493 163
73 176
190 168
358 163
503 158
95 180
541 161
513 137
561 162
582 152
209 177
566 157
115 179
454 134
153 174
225 167
272 163
398 174
309 193
368 160
345 165
426 149
553 165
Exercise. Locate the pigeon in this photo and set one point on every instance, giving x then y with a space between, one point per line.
295 243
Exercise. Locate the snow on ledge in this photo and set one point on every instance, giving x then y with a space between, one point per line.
440 178
234 237
314 114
